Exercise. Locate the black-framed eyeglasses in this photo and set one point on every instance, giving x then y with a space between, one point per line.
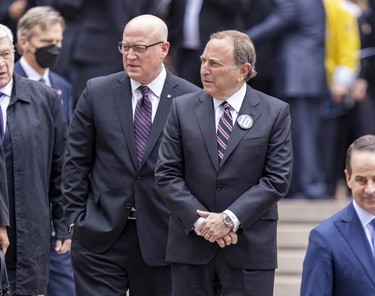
137 48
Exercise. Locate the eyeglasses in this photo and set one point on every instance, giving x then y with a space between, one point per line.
7 54
137 48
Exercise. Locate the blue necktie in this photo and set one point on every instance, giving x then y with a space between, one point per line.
142 122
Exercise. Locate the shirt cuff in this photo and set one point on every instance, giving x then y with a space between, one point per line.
234 218
197 224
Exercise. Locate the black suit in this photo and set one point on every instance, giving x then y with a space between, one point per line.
253 176
103 181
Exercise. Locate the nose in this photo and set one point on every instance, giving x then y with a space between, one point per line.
370 188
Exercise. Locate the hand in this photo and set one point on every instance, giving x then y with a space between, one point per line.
213 227
4 240
229 239
62 245
339 93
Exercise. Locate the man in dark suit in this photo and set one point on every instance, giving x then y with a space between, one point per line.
218 196
118 221
33 143
40 34
300 80
340 256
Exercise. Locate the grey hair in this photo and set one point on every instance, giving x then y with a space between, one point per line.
5 32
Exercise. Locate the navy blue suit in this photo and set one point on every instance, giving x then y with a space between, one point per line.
339 259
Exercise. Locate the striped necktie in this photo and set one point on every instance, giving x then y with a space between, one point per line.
224 130
142 122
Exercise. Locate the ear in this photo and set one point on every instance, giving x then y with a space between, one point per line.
245 70
348 177
165 49
22 43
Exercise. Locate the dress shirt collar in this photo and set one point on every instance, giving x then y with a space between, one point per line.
156 85
364 216
32 74
7 90
235 100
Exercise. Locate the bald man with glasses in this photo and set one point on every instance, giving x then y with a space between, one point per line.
118 221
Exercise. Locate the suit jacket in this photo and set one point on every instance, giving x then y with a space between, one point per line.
254 175
339 259
58 83
300 27
102 180
34 144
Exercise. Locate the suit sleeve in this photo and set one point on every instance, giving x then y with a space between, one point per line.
317 275
55 194
78 159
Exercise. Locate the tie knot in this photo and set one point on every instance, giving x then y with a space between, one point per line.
373 223
144 90
42 80
225 105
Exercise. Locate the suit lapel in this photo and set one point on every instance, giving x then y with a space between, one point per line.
166 97
250 106
122 94
351 229
205 116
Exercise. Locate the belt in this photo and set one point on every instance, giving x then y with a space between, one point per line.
132 214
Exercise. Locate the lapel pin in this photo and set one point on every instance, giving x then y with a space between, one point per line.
245 121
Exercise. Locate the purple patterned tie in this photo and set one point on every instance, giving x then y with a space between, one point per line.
142 122
224 129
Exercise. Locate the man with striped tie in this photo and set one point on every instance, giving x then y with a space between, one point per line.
224 162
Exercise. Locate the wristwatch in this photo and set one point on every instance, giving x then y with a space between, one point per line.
228 221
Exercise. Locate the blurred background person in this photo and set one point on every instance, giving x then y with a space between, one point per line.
93 49
299 79
40 34
342 65
255 12
201 19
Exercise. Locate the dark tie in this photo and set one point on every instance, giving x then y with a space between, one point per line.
224 129
1 121
142 122
42 80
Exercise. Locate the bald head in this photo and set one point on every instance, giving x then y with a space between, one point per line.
150 24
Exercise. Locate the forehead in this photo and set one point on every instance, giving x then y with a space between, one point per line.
5 43
53 29
221 49
363 162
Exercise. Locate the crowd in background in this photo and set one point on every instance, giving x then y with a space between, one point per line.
326 73
318 56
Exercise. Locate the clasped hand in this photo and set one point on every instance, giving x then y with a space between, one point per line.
213 229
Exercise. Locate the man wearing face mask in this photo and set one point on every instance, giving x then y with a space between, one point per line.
40 34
